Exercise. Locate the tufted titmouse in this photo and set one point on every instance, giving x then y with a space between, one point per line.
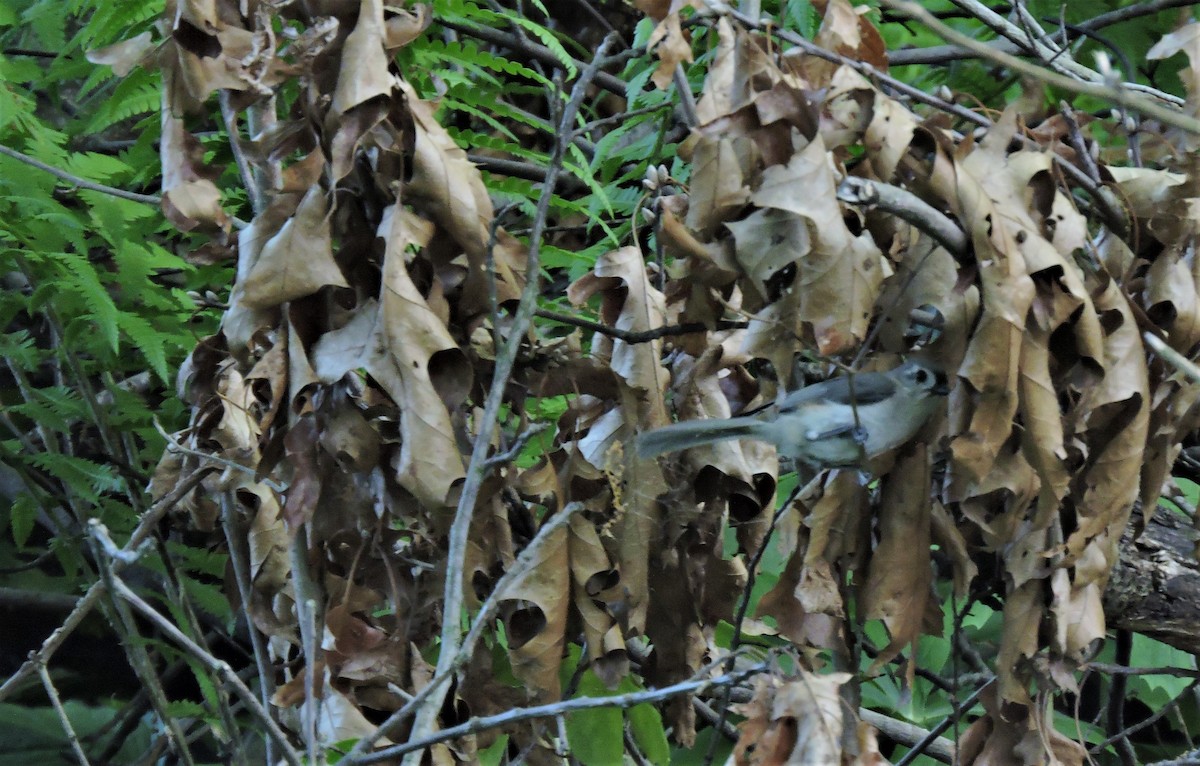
838 422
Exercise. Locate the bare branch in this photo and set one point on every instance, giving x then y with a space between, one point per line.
451 638
515 715
82 183
908 207
89 600
1119 95
642 336
219 667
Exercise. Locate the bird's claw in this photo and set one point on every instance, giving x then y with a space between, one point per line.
859 435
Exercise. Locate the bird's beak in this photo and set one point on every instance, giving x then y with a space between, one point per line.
941 385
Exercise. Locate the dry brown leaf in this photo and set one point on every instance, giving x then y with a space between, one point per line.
630 303
672 47
1043 437
591 575
991 365
339 718
839 279
1024 608
189 196
711 263
298 260
429 463
536 607
449 185
768 241
793 723
405 25
719 96
846 31
125 55
363 74
304 491
1187 40
718 186
268 539
951 541
900 574
1005 736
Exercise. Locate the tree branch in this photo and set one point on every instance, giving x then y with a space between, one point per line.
82 183
908 207
451 637
515 715
641 336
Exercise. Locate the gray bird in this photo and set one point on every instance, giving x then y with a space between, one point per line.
838 422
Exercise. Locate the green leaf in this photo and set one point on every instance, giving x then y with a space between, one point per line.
494 754
81 476
138 93
21 516
82 277
646 724
148 341
596 735
1157 690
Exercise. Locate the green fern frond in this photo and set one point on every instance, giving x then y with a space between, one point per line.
512 190
55 407
147 340
109 22
81 277
139 93
468 55
488 102
469 139
18 349
83 477
457 10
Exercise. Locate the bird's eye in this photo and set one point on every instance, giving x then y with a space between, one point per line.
921 376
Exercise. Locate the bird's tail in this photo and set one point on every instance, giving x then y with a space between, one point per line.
692 433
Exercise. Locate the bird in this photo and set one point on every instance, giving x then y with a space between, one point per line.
840 422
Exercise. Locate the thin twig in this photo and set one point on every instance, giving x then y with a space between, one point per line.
515 715
642 336
510 454
82 183
305 591
939 748
63 719
517 169
936 732
1077 141
221 668
1144 723
1171 356
1132 12
743 609
239 561
944 54
687 100
1101 197
258 198
1122 670
451 637
1116 94
174 446
619 117
89 600
610 83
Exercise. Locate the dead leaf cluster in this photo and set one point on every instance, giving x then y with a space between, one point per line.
351 363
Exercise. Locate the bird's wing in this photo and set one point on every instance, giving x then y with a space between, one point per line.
869 388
